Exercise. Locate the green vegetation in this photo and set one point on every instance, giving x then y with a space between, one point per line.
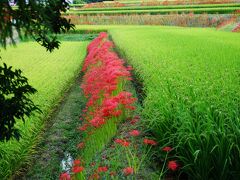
215 10
77 5
163 7
60 137
50 74
191 81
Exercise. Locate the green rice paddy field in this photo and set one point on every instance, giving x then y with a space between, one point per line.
51 74
191 82
208 10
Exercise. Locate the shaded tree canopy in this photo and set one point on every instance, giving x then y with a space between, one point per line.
14 101
40 19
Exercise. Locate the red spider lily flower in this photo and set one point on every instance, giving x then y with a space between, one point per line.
84 127
150 142
122 142
134 133
134 121
118 141
125 143
128 171
113 173
76 162
65 176
77 169
167 149
81 145
117 113
172 165
102 169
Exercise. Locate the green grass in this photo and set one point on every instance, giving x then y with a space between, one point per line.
191 81
50 74
61 136
215 10
163 7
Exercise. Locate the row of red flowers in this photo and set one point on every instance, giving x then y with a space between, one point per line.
104 75
103 86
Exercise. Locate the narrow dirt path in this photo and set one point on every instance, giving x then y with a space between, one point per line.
59 137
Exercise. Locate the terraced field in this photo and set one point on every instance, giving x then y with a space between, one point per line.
160 7
159 10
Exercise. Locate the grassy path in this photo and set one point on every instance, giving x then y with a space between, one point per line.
60 136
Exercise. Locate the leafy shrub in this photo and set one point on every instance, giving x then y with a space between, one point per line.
14 101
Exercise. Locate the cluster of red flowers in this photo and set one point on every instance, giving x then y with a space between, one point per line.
103 84
128 171
172 165
122 142
236 28
104 75
76 169
104 5
150 142
226 22
65 176
134 133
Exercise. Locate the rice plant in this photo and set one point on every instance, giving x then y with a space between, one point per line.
191 80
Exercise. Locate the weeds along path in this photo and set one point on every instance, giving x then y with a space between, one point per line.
59 137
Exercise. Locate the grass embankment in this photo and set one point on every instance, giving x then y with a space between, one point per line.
215 10
50 74
191 82
60 137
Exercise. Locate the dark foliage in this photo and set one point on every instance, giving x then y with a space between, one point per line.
93 1
14 101
41 20
34 18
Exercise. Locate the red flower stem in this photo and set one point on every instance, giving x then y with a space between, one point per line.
162 170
